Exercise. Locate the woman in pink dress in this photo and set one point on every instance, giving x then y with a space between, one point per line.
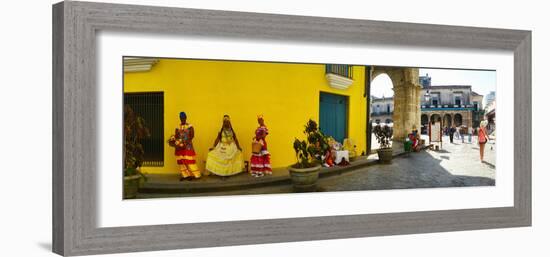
260 163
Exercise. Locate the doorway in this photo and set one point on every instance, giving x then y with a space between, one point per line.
333 115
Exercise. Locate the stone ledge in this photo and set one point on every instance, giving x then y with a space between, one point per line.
169 183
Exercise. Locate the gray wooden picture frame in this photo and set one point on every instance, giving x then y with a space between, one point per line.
75 25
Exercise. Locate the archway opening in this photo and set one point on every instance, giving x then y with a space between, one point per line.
424 121
381 105
435 117
447 120
458 120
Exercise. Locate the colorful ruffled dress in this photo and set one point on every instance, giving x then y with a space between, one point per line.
225 159
260 163
185 153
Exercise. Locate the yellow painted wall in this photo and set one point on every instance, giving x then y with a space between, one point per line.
286 94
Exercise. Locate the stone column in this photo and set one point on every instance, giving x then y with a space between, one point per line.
410 108
399 106
467 119
413 98
418 109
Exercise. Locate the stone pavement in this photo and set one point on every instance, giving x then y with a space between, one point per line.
455 165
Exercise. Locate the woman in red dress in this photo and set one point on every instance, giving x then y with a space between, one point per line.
260 164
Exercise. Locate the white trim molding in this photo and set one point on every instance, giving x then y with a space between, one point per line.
132 64
338 82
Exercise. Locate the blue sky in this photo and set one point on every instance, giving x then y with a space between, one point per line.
482 82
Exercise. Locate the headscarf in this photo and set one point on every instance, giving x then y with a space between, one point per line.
226 117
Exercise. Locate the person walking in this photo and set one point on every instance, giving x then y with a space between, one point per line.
452 131
482 138
470 134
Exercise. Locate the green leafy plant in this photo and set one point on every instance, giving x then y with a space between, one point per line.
310 152
134 132
383 135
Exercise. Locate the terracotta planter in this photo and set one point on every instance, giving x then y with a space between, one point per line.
131 185
304 180
385 155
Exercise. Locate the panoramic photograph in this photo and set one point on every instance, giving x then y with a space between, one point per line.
201 127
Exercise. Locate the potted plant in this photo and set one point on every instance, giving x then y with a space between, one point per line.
134 132
383 135
309 154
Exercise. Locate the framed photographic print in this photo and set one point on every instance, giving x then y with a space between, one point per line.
183 128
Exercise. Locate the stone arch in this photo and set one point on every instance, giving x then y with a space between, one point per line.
407 89
457 119
424 119
424 123
381 109
384 109
447 120
435 117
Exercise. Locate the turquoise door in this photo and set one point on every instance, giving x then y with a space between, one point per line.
333 115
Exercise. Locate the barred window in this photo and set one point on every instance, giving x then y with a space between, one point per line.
150 106
340 69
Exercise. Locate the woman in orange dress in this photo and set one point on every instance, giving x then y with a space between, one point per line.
185 153
482 138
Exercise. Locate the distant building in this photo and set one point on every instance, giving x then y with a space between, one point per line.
490 113
489 98
381 110
453 105
425 81
477 101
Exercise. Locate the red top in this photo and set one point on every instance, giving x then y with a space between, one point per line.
482 135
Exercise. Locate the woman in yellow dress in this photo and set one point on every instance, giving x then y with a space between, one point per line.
226 157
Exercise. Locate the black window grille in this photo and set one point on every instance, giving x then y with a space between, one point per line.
343 70
150 106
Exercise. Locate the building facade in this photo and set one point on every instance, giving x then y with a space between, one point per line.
452 105
287 95
381 110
